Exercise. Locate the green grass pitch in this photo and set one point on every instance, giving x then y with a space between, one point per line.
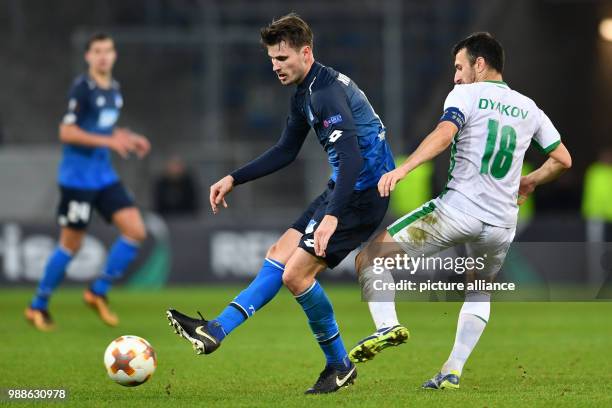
531 354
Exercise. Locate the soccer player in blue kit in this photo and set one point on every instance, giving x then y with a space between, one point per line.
335 223
88 181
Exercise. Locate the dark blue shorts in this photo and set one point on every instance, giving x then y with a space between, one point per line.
75 207
357 222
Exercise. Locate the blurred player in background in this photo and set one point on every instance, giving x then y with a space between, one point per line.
489 127
88 181
334 224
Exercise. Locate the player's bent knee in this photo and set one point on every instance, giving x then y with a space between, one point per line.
73 247
381 246
274 252
294 282
280 253
136 234
71 240
288 279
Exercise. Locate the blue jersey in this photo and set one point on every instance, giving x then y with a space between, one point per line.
95 110
347 127
332 104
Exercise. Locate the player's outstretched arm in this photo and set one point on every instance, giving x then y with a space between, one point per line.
119 142
278 156
218 191
434 144
559 160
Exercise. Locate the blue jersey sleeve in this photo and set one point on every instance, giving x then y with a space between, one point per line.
78 102
281 154
331 107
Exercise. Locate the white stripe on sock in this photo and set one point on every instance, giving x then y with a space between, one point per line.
275 263
306 291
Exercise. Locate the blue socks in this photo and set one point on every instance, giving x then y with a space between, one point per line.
121 254
314 301
262 289
322 322
54 274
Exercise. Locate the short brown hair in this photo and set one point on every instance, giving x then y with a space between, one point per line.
290 28
99 36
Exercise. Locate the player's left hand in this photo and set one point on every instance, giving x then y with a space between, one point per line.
526 187
387 182
323 233
141 144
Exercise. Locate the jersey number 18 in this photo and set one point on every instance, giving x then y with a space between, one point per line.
503 159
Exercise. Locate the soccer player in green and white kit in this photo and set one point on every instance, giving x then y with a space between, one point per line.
489 127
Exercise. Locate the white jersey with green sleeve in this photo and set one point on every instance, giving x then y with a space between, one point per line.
496 126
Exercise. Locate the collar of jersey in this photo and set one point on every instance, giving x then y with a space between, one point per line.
497 82
93 84
314 69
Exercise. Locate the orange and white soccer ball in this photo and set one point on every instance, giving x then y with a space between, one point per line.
130 360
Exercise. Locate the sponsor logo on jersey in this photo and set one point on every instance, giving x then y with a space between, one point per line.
108 117
332 120
335 135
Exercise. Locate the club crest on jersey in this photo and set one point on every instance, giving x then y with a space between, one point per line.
100 100
332 120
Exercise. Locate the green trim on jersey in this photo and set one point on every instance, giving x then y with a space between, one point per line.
545 150
410 218
451 165
497 82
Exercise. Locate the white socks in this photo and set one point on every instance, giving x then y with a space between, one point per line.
473 319
381 303
383 314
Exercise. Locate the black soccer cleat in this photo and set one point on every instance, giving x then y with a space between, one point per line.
195 331
331 380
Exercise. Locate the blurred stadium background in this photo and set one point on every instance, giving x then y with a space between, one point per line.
197 83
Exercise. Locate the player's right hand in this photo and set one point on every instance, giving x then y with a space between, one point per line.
218 191
387 182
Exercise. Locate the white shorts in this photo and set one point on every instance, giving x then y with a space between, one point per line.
437 226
